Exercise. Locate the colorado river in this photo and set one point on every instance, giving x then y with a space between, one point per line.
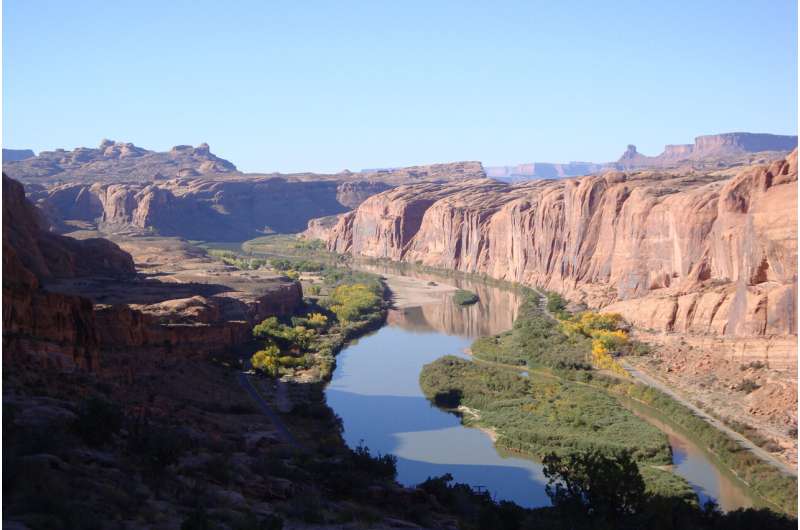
375 390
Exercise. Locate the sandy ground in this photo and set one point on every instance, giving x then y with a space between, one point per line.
711 382
411 292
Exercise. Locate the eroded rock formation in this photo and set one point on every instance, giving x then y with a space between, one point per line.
115 161
58 328
710 151
206 209
12 155
53 288
700 254
721 149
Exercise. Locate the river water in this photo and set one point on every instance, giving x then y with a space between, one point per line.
375 390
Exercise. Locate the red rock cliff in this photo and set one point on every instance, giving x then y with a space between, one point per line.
68 331
55 328
697 254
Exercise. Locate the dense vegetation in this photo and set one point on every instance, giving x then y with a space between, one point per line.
772 485
535 341
557 305
345 303
464 297
237 260
541 415
564 397
595 491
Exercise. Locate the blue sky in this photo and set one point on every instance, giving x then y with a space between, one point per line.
331 85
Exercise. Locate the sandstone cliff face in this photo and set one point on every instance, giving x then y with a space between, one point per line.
59 329
206 209
351 194
693 254
48 320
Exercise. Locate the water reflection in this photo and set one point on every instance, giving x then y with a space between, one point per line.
494 312
694 464
375 390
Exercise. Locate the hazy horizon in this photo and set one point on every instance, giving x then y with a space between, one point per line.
357 169
281 88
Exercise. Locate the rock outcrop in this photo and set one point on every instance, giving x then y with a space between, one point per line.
429 173
699 254
59 329
320 228
206 209
710 151
719 149
115 161
189 192
13 155
53 286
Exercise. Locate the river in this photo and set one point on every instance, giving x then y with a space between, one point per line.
375 390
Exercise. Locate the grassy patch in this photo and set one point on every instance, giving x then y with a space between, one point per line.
768 482
540 415
548 415
464 297
535 340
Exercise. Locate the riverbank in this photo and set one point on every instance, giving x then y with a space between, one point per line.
411 292
519 288
531 344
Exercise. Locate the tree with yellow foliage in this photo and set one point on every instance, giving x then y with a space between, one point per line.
267 360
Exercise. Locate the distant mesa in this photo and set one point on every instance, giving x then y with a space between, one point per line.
13 155
722 149
715 150
543 170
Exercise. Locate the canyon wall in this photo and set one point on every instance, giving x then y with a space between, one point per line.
51 317
696 254
203 209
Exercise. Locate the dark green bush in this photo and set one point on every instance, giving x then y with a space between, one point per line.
462 297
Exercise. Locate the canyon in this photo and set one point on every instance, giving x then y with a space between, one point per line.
696 253
700 259
72 303
121 189
702 264
200 209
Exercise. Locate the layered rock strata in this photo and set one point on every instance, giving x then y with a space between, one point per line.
697 254
53 287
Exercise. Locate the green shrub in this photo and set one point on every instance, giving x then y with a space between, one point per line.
462 297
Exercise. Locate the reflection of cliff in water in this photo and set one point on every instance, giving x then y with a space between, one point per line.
494 312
